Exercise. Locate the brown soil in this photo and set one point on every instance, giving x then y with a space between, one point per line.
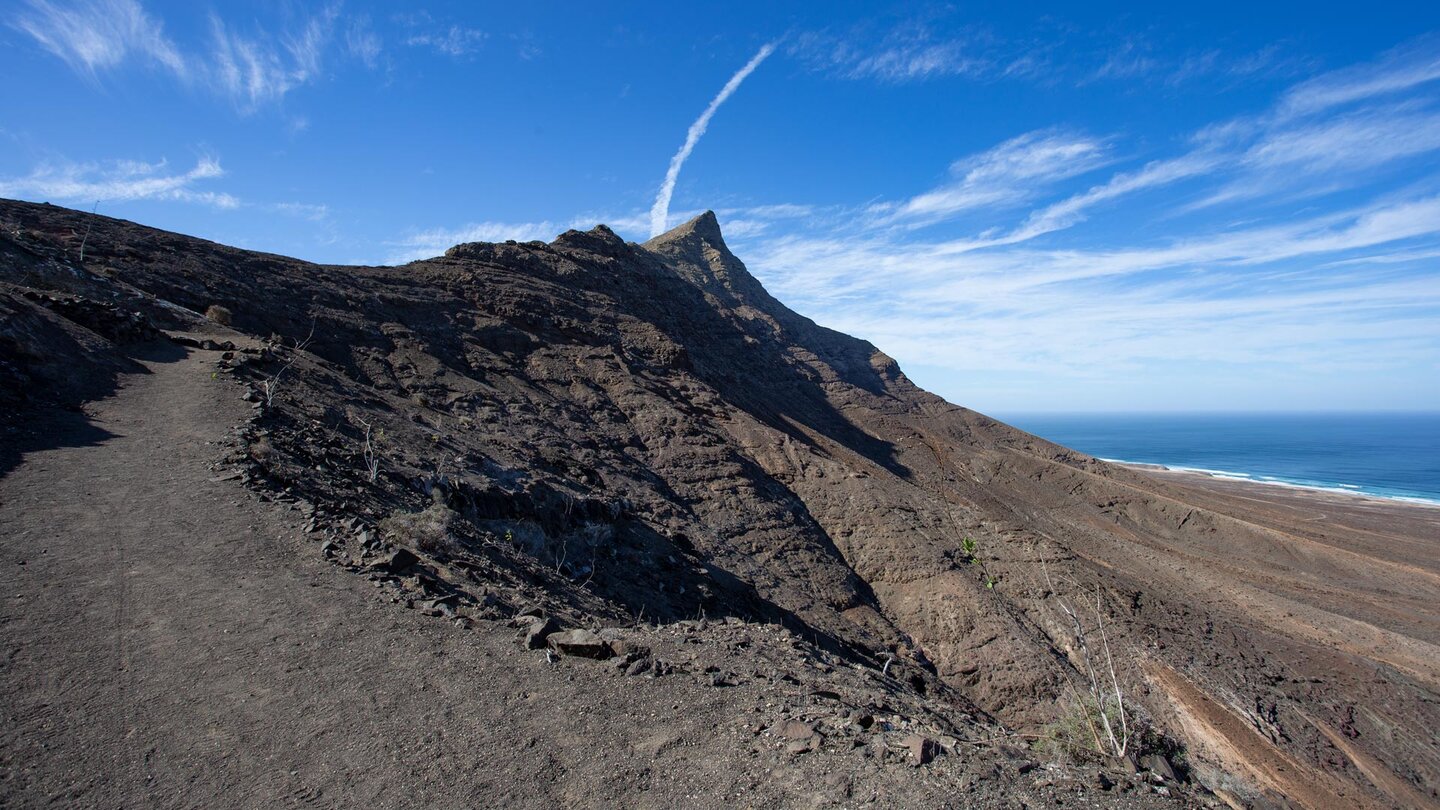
764 519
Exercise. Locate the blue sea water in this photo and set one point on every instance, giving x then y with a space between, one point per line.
1388 455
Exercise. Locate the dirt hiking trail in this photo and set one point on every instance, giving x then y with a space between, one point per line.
147 602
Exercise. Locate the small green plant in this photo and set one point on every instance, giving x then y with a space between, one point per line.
990 582
968 547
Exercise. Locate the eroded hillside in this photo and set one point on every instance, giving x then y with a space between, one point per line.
615 435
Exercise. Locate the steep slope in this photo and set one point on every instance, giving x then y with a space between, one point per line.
639 433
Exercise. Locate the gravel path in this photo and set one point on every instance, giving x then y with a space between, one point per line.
165 646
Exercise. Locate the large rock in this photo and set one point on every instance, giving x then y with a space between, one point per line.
394 562
582 643
1158 765
539 632
922 749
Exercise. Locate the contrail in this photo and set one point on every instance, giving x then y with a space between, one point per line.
660 211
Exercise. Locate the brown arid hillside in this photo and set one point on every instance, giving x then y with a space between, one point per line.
597 523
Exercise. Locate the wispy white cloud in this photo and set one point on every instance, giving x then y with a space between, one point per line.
925 49
250 68
254 70
1158 286
1358 141
1005 175
119 181
1403 68
1070 211
1252 295
907 53
422 30
95 35
660 211
310 211
1131 59
362 42
455 41
435 241
740 222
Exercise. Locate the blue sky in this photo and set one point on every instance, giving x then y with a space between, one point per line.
1094 208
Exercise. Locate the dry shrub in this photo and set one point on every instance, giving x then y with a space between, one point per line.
1076 736
219 314
261 450
430 530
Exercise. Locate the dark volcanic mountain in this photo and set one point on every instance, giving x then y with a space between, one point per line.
638 440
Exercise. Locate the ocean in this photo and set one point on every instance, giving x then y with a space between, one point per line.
1386 455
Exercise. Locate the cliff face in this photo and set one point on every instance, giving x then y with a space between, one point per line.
642 431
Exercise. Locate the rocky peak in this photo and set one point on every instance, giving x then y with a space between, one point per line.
599 238
703 230
697 251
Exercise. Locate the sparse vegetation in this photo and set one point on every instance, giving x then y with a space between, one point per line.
88 226
1076 736
1103 704
219 314
372 458
430 530
270 385
968 547
261 450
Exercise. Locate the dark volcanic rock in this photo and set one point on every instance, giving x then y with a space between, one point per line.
581 643
638 434
539 632
394 562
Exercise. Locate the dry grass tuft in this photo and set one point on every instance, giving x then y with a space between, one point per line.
219 314
430 530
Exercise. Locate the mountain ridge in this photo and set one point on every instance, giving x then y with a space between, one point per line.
651 412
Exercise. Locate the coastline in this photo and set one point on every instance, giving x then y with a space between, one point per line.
1245 483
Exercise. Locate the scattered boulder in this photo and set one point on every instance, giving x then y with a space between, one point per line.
394 562
802 746
796 730
541 630
582 643
1158 765
922 749
441 606
629 649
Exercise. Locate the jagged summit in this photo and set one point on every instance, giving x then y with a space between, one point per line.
697 251
599 238
704 229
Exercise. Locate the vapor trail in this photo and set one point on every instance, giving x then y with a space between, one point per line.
660 211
